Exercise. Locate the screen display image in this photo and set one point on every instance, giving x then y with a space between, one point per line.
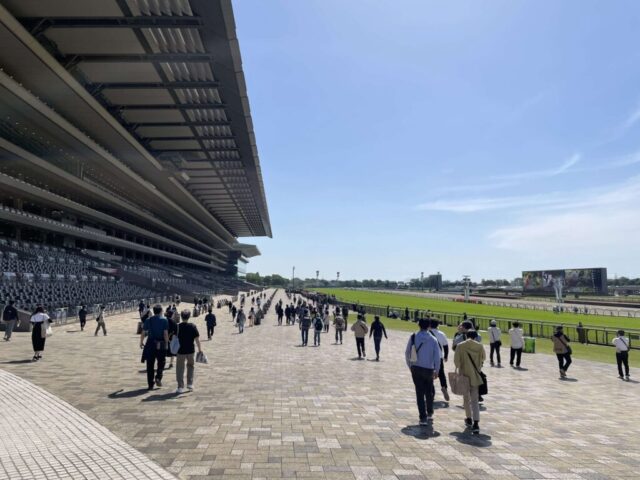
577 280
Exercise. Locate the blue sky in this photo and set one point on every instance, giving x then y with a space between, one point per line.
480 138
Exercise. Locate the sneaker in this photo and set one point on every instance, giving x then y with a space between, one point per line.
620 376
377 359
190 388
627 377
35 358
179 390
480 399
158 382
468 422
364 355
445 393
429 417
423 422
492 364
476 428
563 373
499 366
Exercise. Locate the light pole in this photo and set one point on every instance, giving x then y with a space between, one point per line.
422 281
293 278
467 281
317 277
337 279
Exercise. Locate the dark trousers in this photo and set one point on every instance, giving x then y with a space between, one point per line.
83 322
623 359
423 381
517 354
376 344
305 335
360 346
338 335
495 347
442 377
316 337
564 360
210 331
279 319
153 355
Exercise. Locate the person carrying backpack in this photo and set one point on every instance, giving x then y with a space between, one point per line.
360 331
422 356
338 323
318 326
305 325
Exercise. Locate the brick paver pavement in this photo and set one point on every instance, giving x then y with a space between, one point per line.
266 408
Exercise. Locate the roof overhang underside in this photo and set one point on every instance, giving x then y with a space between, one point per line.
160 84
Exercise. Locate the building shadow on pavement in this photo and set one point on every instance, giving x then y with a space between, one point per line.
421 432
130 394
468 438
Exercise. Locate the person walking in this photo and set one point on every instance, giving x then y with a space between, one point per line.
468 358
444 353
305 325
622 353
461 334
40 322
325 320
156 329
318 327
173 318
562 350
495 343
187 335
360 331
251 317
100 320
240 319
82 316
210 319
10 319
422 356
234 312
516 334
338 323
377 330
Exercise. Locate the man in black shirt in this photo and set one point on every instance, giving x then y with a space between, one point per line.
187 334
82 316
10 318
210 319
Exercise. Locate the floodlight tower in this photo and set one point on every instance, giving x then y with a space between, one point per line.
467 282
421 280
293 278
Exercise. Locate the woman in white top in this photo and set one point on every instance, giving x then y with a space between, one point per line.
494 342
622 353
40 322
517 343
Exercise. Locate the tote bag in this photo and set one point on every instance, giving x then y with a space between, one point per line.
459 383
174 346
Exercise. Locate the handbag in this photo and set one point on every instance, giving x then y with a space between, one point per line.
174 346
201 358
483 388
45 331
413 358
459 383
569 351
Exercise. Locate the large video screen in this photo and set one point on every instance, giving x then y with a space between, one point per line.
577 280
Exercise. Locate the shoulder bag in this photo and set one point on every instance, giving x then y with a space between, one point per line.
483 388
174 346
569 351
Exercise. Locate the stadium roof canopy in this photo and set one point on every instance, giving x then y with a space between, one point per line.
159 85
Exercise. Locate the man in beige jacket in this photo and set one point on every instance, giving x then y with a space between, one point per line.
360 331
469 357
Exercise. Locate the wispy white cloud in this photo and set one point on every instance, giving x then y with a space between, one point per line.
563 168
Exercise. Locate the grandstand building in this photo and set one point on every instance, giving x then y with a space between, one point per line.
128 161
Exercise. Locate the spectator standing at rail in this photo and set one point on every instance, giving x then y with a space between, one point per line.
582 337
562 350
424 368
318 326
210 320
101 322
360 331
187 335
622 353
377 330
516 334
444 351
495 343
240 319
154 350
338 323
10 318
82 316
469 358
40 322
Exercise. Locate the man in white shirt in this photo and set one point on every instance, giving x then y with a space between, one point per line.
517 343
444 350
622 353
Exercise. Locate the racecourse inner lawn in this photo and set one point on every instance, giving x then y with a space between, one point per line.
400 301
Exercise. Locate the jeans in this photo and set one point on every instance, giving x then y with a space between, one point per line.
10 325
360 346
517 354
240 327
316 337
623 359
423 381
338 335
471 404
564 360
305 335
495 347
210 331
376 344
104 328
189 358
157 353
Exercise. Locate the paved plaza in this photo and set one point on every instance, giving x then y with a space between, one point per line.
264 407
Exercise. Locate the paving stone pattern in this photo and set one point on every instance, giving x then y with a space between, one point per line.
264 407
